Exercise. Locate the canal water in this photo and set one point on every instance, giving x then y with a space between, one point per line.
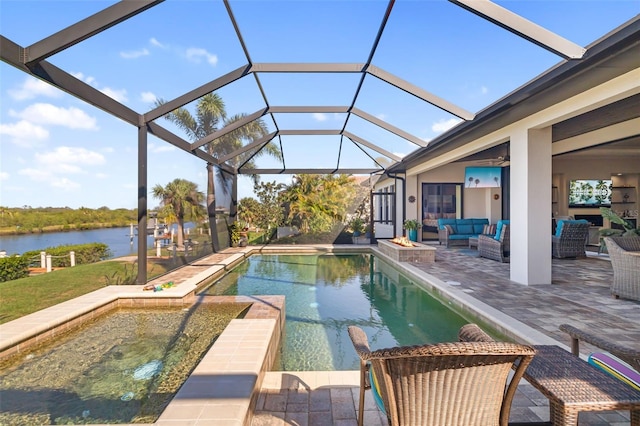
118 239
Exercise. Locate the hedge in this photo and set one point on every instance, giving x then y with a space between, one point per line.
13 267
85 253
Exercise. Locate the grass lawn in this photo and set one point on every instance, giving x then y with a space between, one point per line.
27 295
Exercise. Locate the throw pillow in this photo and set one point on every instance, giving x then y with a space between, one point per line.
449 229
489 229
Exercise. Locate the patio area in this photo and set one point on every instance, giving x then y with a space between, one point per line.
578 295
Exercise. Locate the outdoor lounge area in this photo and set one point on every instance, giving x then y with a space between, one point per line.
579 295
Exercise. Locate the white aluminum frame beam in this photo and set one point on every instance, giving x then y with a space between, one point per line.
86 28
306 171
522 27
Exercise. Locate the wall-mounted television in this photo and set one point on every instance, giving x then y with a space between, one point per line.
590 193
482 177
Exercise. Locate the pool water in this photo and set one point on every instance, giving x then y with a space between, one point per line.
327 293
123 367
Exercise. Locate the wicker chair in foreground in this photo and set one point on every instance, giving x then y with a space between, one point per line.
458 383
624 253
628 355
494 249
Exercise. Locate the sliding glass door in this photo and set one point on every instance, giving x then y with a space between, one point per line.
439 200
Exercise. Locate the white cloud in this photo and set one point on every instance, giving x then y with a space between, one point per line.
196 54
48 114
318 116
64 183
4 175
119 95
148 97
444 125
156 43
161 148
134 54
68 158
484 90
102 175
38 175
53 167
31 88
24 133
108 149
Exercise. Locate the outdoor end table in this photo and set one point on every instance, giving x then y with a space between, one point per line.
473 242
573 385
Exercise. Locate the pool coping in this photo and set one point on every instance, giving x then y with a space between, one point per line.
224 387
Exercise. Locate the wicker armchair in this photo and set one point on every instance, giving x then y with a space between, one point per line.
458 383
571 239
494 249
628 355
624 253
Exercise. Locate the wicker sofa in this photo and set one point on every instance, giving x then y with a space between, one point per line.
624 253
456 232
570 239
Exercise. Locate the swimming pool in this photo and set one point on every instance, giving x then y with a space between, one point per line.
327 293
122 367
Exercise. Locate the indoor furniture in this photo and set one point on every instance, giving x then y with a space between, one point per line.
454 384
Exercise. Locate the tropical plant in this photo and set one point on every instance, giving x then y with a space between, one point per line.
629 229
317 202
180 199
210 117
411 224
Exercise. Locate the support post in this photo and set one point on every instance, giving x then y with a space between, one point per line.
48 263
43 259
141 278
72 256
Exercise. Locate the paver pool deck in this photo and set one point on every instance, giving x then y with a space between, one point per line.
579 294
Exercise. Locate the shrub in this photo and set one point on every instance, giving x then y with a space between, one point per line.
13 267
85 253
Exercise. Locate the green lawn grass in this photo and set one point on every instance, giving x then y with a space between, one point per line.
27 295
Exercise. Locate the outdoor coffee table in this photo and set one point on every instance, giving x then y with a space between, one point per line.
572 385
473 242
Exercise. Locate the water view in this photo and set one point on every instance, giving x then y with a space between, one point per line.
327 293
118 239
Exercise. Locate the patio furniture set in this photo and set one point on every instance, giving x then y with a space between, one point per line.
469 382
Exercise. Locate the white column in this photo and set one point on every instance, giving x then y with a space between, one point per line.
530 206
48 263
72 258
158 248
43 259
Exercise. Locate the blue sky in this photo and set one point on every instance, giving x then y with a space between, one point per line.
58 151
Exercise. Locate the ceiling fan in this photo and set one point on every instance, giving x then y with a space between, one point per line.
497 161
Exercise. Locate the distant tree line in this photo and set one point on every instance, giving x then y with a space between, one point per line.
24 220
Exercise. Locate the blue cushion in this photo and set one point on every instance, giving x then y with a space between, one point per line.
443 222
375 390
499 229
478 228
561 223
465 229
459 236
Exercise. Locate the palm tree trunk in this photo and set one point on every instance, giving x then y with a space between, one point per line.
180 232
211 209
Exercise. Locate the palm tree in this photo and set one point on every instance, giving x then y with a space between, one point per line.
210 117
180 199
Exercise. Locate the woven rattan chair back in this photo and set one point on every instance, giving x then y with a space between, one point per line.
448 384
